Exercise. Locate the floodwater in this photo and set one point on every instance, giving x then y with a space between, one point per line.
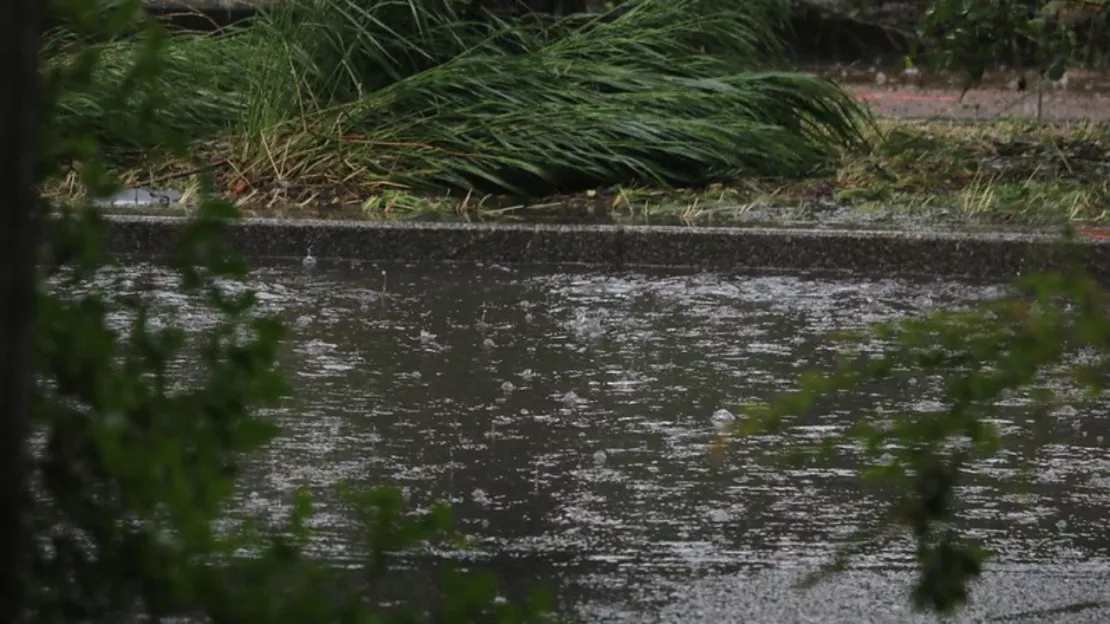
567 412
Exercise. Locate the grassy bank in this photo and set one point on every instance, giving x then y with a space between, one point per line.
354 100
657 114
1002 172
914 173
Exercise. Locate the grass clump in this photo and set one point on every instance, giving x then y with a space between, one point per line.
918 173
1003 172
342 101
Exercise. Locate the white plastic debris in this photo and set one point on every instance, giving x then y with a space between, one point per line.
141 198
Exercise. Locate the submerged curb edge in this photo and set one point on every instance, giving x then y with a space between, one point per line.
992 256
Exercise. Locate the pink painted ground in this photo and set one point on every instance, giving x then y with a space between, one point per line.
985 103
1084 96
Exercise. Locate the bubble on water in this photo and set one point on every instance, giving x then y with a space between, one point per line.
166 539
599 458
718 515
527 373
1067 411
1061 524
880 78
507 386
570 399
480 496
367 301
309 259
488 343
115 420
586 325
723 418
302 321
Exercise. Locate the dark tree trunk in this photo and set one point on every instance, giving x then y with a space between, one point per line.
19 42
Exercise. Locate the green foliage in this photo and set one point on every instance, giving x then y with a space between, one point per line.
105 100
1056 328
431 94
131 464
974 35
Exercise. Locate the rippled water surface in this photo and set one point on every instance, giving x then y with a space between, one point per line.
567 413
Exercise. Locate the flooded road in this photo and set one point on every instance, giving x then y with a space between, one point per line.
567 413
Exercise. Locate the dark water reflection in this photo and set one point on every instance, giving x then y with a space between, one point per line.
566 414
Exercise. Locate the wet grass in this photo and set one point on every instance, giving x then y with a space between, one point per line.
916 173
657 115
371 101
1003 173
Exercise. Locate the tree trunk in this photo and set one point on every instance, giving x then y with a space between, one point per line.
19 42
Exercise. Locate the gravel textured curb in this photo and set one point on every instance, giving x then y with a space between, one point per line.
999 256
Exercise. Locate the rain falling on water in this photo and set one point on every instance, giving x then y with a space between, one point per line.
567 413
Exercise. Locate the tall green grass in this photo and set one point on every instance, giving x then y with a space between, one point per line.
198 92
429 94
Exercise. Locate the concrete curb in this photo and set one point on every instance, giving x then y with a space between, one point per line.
995 256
